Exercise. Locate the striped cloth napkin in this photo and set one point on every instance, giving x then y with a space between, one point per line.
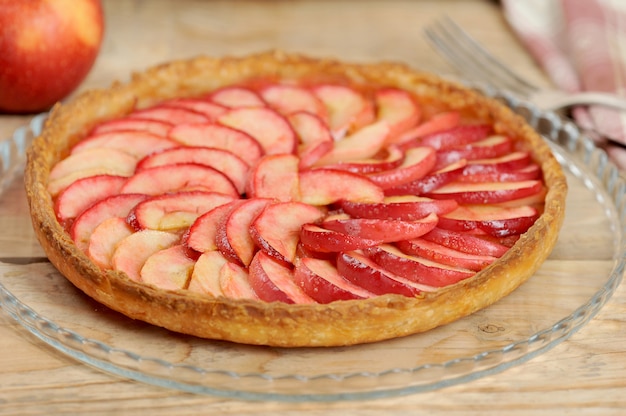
581 45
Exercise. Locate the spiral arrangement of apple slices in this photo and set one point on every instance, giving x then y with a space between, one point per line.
296 193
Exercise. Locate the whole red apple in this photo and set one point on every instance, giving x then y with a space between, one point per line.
47 48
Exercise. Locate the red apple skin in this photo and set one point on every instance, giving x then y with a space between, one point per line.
322 240
408 208
487 192
430 182
321 281
48 48
362 271
383 230
465 242
415 268
273 281
442 254
493 220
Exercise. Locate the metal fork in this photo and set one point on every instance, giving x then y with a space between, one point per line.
467 55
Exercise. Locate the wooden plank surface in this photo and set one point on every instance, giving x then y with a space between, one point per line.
583 375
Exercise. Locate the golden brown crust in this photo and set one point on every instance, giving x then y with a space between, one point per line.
280 324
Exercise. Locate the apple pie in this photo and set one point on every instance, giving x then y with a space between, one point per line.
282 200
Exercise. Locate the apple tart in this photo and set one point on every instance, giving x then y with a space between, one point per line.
282 200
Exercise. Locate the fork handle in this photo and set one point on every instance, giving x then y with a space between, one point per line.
555 100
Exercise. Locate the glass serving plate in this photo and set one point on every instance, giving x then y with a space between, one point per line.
568 290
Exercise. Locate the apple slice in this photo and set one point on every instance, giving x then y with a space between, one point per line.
83 193
236 96
442 254
465 242
417 269
113 206
275 176
494 220
398 108
168 269
269 128
135 143
363 143
132 252
205 277
276 230
180 177
168 114
536 200
158 127
388 158
174 211
527 173
417 162
456 136
201 236
381 230
231 165
105 238
348 110
221 137
323 240
492 146
360 270
315 139
506 163
437 123
321 281
210 110
486 192
405 207
430 182
326 186
289 99
235 283
233 237
273 281
99 161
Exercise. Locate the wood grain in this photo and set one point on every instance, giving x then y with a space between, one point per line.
583 375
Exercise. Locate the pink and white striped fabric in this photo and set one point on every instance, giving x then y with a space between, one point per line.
581 44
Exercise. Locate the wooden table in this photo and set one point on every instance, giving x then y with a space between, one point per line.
583 375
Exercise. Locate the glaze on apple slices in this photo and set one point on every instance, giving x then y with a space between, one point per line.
297 193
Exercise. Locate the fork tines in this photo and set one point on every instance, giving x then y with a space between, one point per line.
471 58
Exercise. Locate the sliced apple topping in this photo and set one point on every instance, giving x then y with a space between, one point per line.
268 127
179 177
218 136
92 162
348 109
143 143
289 99
297 193
437 123
321 281
158 127
170 114
231 165
174 211
236 97
168 269
83 193
399 109
276 230
274 281
208 109
132 252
